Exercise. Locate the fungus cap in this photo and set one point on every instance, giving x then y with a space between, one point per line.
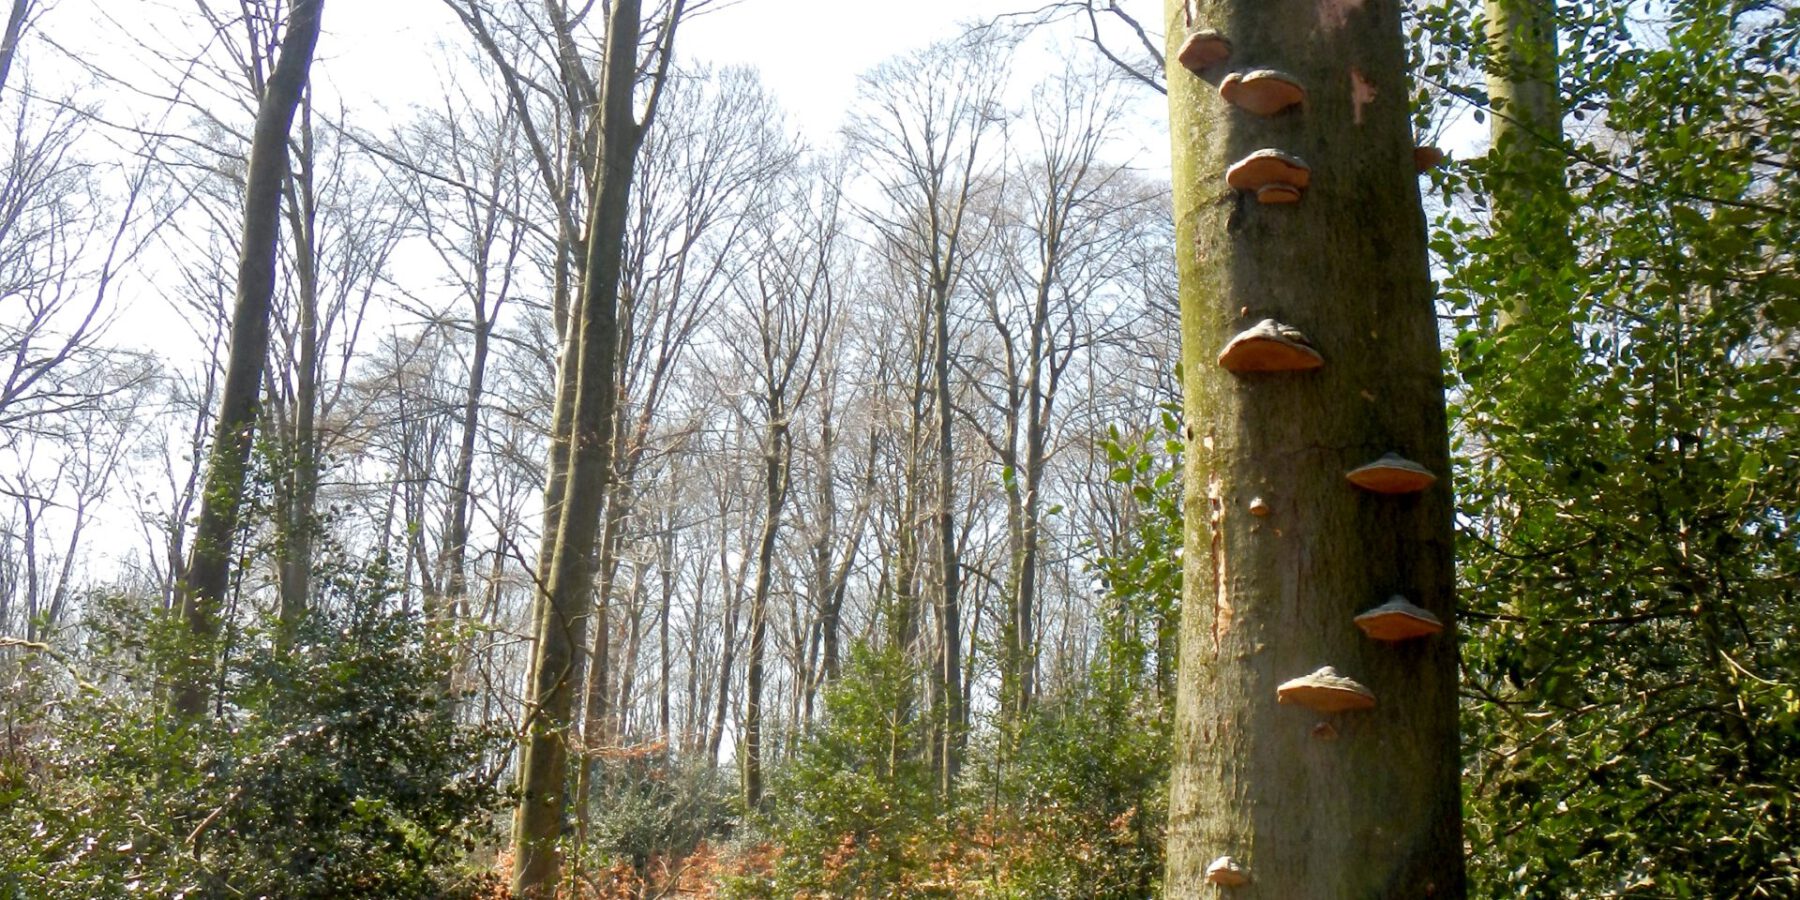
1399 619
1269 167
1259 507
1270 346
1227 872
1202 49
1392 474
1325 691
1262 92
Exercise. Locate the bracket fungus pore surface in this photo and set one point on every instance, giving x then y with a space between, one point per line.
1270 346
1392 474
1262 92
1202 49
1272 175
1325 691
1399 619
1227 872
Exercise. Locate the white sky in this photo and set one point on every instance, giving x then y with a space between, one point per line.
810 52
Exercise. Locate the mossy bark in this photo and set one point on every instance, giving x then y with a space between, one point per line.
1373 811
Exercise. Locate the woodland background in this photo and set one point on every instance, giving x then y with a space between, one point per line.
1627 504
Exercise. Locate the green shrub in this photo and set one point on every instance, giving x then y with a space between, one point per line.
335 769
856 812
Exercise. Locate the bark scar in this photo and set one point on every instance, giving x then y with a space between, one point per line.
1222 612
1335 14
1362 93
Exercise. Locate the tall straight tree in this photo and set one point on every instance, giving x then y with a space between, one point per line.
208 568
584 439
1271 786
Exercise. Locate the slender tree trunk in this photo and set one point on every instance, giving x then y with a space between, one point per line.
302 475
1526 128
665 565
455 554
207 574
15 29
954 718
564 594
1327 805
775 485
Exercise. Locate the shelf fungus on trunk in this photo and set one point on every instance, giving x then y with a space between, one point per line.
1202 49
1399 620
1260 508
1426 158
1392 474
1272 175
1270 346
1325 691
1227 872
1262 92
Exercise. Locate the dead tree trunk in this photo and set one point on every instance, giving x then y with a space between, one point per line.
1284 780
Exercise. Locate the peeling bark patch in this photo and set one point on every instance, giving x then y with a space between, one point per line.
1362 93
1335 14
1222 612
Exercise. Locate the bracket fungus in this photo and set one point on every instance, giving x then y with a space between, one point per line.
1325 691
1392 474
1202 49
1262 92
1399 620
1227 872
1259 507
1270 346
1427 158
1273 176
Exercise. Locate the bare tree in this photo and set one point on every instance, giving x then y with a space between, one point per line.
923 120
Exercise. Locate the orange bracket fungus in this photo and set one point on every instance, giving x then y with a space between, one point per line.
1399 620
1202 49
1273 176
1227 872
1259 507
1392 474
1270 347
1263 92
1325 691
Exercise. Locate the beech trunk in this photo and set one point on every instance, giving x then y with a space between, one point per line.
1341 805
208 572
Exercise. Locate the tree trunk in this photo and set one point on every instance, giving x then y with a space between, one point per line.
207 573
954 719
302 459
9 44
1526 128
561 616
1356 804
775 485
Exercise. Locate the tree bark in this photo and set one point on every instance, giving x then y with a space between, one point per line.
299 495
207 574
1526 128
775 487
1352 804
562 607
955 719
15 29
